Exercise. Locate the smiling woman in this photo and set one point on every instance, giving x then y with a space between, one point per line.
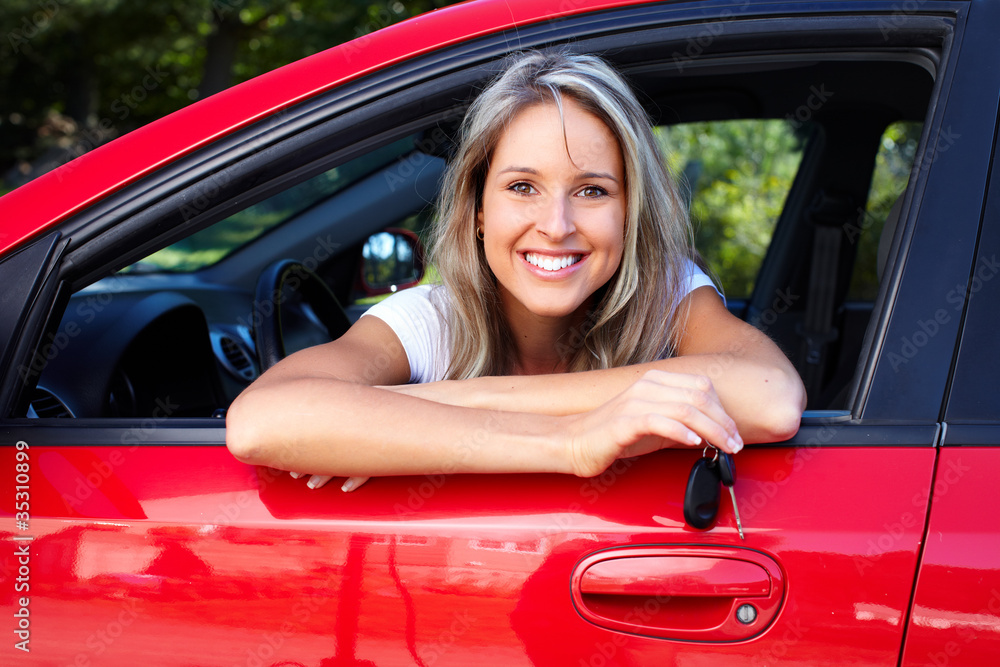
562 246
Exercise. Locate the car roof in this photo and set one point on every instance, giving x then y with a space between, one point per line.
54 196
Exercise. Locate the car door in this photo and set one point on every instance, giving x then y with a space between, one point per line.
955 618
144 540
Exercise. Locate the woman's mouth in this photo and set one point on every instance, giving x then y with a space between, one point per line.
551 262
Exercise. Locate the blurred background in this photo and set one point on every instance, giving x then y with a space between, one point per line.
77 73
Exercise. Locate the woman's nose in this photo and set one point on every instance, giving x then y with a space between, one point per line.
555 220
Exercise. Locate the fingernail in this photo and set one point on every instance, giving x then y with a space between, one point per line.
735 445
296 475
313 482
693 438
349 485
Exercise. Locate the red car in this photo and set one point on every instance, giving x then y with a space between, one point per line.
137 299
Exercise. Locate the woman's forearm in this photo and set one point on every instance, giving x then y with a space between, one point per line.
764 399
338 428
731 362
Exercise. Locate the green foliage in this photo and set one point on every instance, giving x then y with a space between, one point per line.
76 73
738 174
892 171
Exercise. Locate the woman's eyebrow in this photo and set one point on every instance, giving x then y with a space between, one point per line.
530 170
518 170
598 174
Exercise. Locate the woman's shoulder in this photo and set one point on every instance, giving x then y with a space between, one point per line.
418 317
420 298
693 277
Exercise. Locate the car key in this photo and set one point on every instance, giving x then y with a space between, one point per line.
727 474
701 498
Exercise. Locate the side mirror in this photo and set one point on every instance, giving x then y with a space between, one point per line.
390 261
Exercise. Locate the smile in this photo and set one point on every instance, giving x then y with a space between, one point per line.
551 263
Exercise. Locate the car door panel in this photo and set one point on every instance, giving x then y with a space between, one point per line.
956 606
141 542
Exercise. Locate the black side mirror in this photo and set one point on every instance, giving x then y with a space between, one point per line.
390 261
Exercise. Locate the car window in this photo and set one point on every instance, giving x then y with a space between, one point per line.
210 245
892 170
177 327
737 174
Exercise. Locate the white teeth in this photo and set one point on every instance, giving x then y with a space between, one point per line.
550 263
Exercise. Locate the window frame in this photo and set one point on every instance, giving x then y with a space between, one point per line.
307 138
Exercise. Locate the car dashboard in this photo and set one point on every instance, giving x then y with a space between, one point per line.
152 345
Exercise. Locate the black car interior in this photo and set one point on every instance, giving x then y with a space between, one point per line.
144 336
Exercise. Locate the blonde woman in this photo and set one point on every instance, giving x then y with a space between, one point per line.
571 326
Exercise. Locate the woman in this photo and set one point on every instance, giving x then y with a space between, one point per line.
571 327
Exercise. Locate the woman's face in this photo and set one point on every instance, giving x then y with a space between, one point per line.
553 215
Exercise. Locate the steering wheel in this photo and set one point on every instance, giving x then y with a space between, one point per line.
279 283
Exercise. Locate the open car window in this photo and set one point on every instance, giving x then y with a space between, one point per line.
208 246
737 174
177 325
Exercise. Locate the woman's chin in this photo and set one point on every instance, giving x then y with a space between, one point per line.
556 311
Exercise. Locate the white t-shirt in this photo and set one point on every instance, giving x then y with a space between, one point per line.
418 317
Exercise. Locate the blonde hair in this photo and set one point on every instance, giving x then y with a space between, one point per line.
634 317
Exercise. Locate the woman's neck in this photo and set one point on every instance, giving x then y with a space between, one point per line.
544 345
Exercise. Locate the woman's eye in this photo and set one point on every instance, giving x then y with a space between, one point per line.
593 191
522 188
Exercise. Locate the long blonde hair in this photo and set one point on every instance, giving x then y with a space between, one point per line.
634 317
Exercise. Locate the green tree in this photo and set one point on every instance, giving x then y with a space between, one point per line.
77 73
737 174
892 171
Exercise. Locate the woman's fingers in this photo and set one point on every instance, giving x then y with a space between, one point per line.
659 410
353 483
688 399
316 481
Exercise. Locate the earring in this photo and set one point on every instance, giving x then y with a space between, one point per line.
479 233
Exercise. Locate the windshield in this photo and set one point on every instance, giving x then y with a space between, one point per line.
212 244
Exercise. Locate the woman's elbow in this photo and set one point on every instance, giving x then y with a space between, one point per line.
784 412
244 437
777 418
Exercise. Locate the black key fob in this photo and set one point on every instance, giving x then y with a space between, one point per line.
701 498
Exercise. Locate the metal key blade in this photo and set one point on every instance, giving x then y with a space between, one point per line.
736 511
727 474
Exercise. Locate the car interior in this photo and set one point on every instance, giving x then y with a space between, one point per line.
194 295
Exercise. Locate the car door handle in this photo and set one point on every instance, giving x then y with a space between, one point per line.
684 593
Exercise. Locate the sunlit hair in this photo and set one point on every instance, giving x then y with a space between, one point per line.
634 317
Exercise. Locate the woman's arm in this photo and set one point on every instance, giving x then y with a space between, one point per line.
724 358
317 412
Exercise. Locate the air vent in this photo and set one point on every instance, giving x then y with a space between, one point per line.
46 405
234 357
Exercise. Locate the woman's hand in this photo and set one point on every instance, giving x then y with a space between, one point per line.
661 409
